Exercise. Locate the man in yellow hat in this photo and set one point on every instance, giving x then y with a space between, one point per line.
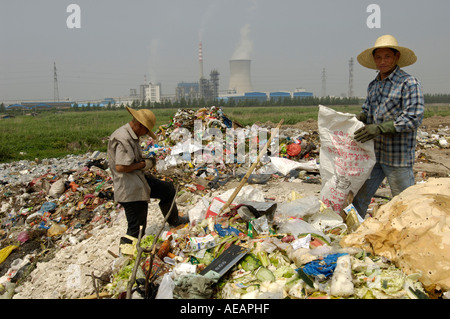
132 187
392 112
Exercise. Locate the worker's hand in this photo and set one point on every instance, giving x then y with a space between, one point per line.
367 133
149 163
362 117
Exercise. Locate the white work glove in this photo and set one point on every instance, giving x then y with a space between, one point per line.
149 163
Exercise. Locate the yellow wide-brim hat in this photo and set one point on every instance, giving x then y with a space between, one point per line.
407 56
146 118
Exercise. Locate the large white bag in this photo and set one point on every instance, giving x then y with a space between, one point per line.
344 163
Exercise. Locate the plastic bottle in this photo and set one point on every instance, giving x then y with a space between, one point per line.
165 248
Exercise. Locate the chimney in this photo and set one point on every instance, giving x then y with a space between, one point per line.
200 58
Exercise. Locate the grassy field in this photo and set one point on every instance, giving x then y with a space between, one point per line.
51 135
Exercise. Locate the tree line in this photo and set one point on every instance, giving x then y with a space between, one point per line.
248 102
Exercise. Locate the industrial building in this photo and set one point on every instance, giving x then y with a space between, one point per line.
150 92
265 96
39 105
187 91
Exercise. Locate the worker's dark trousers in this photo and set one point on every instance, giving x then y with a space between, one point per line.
136 212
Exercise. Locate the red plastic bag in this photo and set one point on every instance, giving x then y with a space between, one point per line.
293 149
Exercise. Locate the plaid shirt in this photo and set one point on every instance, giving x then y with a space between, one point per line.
397 98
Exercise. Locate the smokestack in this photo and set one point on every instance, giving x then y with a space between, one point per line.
240 79
200 58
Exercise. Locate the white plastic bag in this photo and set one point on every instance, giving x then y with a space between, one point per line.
165 290
344 163
298 208
284 165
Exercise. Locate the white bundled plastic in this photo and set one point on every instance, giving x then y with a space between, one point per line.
342 282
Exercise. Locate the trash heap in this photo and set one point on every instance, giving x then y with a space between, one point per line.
260 248
256 248
48 206
175 151
435 139
432 140
59 217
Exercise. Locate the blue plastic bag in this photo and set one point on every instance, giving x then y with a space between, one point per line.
324 266
226 231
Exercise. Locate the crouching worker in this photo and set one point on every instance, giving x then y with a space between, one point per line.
132 187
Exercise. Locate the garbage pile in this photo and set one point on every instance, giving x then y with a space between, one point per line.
180 142
435 139
260 248
60 228
50 206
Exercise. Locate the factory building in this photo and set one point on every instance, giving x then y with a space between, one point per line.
209 89
279 95
301 93
151 92
187 91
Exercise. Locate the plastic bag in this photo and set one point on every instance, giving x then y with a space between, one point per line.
344 163
165 290
323 266
298 227
298 208
284 165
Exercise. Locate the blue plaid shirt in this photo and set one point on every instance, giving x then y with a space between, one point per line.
397 98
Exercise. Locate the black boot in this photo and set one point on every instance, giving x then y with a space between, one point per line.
180 220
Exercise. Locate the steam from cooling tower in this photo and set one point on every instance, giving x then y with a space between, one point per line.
245 45
240 79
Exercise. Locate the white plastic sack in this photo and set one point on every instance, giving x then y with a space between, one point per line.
247 193
285 165
57 188
344 163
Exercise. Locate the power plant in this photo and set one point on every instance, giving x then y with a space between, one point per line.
240 85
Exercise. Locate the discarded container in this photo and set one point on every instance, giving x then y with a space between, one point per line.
165 248
198 243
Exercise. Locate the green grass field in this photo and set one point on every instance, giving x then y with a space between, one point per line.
51 135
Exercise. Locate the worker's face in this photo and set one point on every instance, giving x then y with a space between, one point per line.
386 60
142 130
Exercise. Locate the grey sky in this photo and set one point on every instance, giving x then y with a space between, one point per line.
120 42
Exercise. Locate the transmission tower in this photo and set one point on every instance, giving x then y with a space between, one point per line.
55 84
324 83
350 78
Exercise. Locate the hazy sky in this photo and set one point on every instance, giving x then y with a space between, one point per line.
290 42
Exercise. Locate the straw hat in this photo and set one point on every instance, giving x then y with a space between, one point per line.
407 56
146 118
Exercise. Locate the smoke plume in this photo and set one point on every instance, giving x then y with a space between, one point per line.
245 45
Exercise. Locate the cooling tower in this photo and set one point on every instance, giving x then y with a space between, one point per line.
240 79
